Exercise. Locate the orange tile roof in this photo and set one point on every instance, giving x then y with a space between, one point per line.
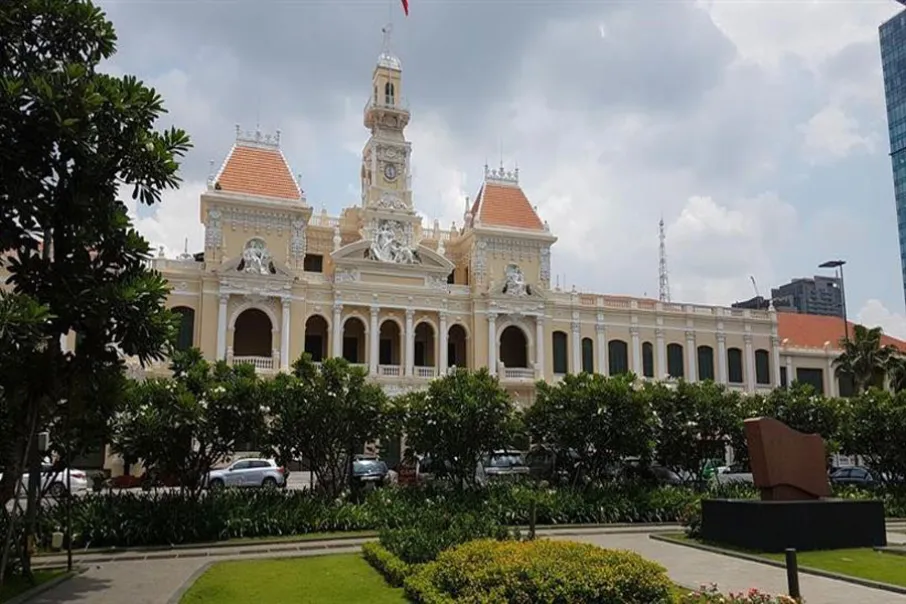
258 170
505 206
812 331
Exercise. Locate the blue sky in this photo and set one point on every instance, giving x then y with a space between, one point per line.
756 129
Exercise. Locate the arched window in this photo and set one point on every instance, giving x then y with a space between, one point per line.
647 360
561 365
617 357
389 94
185 338
675 365
734 366
762 367
705 363
514 348
588 355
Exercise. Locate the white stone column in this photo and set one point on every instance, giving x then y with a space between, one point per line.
637 365
284 335
601 345
661 354
775 361
691 357
830 380
790 376
722 358
750 363
492 343
222 328
539 347
337 343
410 341
374 340
576 334
442 353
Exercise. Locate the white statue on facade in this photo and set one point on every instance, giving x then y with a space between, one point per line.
386 248
256 259
515 281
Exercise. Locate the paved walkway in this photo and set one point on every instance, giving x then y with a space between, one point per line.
155 577
692 567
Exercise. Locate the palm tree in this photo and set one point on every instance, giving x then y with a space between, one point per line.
896 372
864 359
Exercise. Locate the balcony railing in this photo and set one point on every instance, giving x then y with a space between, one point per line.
259 363
390 370
425 372
518 373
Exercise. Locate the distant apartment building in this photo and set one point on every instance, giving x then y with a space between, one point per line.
762 303
893 62
816 295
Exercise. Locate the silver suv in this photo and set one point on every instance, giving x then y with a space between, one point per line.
248 473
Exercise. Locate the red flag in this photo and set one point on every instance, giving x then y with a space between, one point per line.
406 7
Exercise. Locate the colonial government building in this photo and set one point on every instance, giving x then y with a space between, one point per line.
408 301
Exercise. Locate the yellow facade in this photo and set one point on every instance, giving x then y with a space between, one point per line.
408 301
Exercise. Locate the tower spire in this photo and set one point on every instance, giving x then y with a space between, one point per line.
664 280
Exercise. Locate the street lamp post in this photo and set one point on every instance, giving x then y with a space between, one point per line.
838 265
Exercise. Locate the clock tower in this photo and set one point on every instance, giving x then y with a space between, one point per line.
388 219
385 160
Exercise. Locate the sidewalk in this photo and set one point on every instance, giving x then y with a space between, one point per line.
154 577
691 567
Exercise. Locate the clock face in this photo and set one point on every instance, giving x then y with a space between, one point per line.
390 172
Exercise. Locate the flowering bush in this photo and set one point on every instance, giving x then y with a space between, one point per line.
709 594
500 572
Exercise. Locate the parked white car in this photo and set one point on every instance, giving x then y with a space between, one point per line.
734 474
248 473
54 483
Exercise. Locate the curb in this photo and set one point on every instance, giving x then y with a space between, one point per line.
140 553
301 547
47 585
802 569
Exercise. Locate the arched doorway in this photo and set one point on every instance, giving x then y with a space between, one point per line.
456 347
354 340
316 337
514 348
390 348
253 337
424 345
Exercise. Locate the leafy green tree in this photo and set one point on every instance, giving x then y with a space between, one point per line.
872 426
802 409
182 426
864 359
601 419
72 136
693 423
461 417
325 414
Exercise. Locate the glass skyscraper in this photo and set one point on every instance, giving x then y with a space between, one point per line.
893 60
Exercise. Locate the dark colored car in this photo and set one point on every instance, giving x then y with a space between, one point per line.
649 474
509 465
370 472
855 475
556 466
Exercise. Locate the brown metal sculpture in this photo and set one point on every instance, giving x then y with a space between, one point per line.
786 465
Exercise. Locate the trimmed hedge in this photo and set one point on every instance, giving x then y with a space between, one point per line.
394 570
511 572
130 519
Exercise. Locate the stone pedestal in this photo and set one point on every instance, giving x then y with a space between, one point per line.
772 526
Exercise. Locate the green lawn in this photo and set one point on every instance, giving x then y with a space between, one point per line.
863 563
16 584
330 579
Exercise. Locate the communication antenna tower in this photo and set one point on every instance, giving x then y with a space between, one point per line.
664 294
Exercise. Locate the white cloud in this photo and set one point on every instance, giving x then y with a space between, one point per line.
874 314
174 224
830 135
